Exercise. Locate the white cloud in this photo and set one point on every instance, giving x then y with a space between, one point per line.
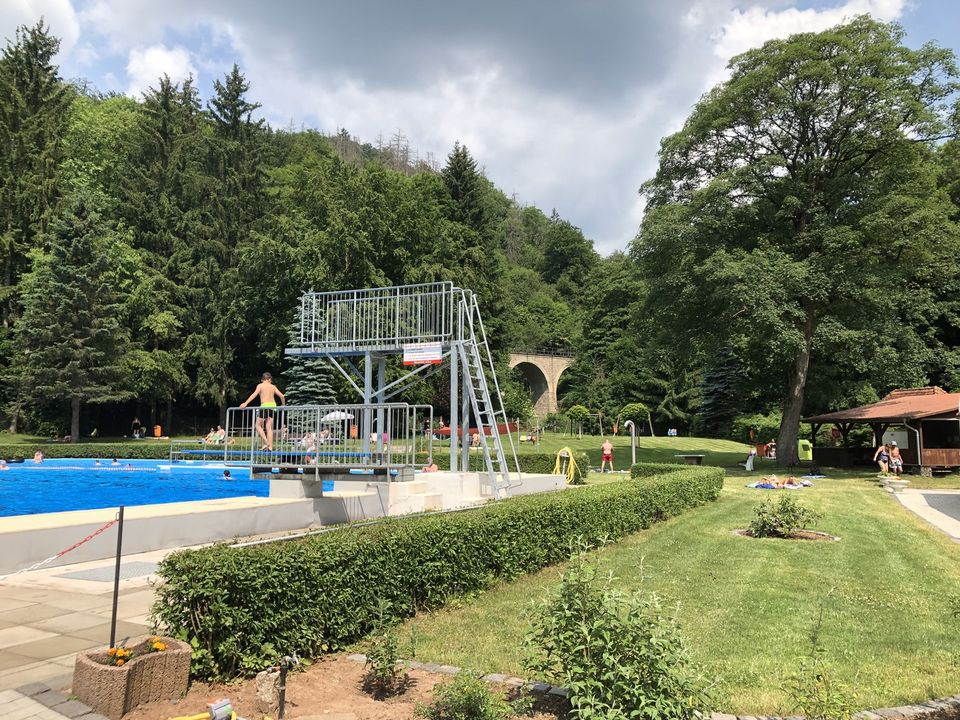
754 26
564 105
146 65
58 14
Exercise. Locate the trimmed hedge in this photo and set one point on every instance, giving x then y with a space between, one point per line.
642 470
529 463
159 450
242 608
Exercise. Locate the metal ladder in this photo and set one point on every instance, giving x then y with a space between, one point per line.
476 360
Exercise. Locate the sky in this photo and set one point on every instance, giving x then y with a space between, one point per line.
563 103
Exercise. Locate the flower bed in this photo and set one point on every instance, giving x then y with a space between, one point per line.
113 681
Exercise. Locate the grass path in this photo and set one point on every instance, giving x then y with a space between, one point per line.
747 606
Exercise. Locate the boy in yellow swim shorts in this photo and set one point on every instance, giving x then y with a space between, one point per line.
268 393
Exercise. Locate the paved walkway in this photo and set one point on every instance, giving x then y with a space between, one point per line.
46 618
940 508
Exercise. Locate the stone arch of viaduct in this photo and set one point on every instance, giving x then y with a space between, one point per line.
542 374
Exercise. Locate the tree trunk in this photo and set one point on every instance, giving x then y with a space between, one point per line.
14 421
75 420
793 404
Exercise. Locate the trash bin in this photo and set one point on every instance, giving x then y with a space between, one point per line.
805 450
157 431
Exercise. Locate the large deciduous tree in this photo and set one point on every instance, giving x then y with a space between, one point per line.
799 205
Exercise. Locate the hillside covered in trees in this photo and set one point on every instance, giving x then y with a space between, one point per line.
154 250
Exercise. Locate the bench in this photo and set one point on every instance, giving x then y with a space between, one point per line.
692 459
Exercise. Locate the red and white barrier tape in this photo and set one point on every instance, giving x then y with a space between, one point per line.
43 562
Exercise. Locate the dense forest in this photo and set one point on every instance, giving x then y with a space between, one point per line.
799 252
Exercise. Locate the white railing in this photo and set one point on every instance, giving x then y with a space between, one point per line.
378 318
314 438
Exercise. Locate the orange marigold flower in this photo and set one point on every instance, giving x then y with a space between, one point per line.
120 662
111 652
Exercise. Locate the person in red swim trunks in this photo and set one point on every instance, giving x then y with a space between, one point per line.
607 450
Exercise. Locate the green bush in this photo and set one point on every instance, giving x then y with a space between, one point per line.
242 608
534 463
385 675
642 470
619 655
467 697
781 519
132 450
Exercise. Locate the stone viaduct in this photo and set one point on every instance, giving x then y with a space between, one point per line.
541 372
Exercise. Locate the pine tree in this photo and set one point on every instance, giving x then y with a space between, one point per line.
308 379
70 341
721 394
464 183
34 115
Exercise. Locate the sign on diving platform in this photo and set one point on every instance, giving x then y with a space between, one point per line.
423 353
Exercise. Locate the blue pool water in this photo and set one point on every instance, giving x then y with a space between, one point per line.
67 484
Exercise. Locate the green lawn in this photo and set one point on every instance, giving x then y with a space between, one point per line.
747 606
649 449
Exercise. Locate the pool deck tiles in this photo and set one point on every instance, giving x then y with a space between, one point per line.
45 619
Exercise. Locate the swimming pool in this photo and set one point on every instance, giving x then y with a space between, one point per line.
69 484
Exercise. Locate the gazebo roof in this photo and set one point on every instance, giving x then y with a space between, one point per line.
898 406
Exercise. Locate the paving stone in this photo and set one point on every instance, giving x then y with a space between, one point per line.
749 717
559 691
889 712
357 658
495 678
72 708
93 716
32 689
539 688
412 664
449 669
722 716
431 667
867 715
49 698
515 682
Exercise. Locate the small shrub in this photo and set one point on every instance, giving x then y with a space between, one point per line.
467 697
385 676
781 519
619 655
812 689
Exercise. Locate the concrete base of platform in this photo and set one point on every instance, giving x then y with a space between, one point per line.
352 499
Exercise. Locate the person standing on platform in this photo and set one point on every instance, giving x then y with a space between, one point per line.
268 394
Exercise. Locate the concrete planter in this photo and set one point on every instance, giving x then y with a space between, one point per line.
112 690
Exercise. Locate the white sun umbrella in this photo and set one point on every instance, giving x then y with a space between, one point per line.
336 415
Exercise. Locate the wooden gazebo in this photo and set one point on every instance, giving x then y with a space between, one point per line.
929 416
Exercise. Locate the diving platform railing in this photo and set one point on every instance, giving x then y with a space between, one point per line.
352 322
315 439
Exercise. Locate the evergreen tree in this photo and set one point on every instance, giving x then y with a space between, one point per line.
464 183
69 339
308 379
34 105
721 390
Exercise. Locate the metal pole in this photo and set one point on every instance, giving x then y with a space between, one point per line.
633 442
465 440
365 425
116 580
454 400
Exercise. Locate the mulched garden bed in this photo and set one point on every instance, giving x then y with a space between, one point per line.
332 686
798 535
